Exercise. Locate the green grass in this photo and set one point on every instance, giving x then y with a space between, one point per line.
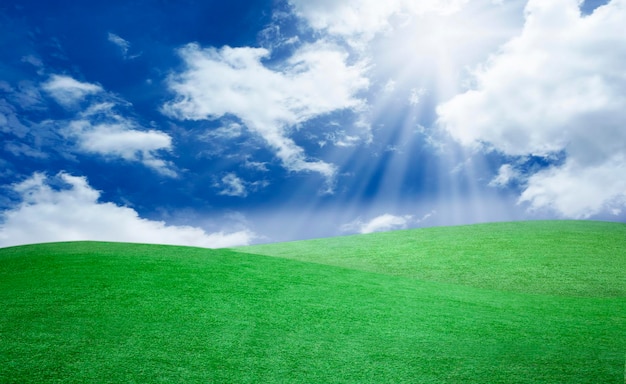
546 257
500 303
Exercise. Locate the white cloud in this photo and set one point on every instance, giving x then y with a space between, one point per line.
67 91
557 87
119 139
385 222
315 81
256 165
416 95
426 44
579 191
360 20
232 185
74 213
227 131
99 129
120 42
506 173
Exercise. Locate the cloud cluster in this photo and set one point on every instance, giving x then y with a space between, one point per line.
557 87
98 129
74 212
269 101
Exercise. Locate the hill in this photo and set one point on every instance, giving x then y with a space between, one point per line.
374 308
574 258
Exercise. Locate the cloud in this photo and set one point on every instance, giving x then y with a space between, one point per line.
100 129
33 60
233 186
74 212
10 122
427 44
120 139
416 96
385 222
314 81
67 91
506 173
557 87
19 149
122 44
360 20
579 191
225 132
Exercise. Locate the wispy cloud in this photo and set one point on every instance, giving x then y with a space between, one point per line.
547 92
74 212
68 91
122 44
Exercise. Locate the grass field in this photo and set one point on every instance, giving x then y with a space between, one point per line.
495 303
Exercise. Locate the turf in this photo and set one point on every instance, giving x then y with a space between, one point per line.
111 312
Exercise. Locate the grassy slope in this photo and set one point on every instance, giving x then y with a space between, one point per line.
574 258
93 312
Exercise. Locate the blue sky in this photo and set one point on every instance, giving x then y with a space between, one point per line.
215 123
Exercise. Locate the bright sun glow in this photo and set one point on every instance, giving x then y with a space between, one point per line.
440 49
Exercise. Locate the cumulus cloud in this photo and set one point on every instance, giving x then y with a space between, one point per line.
120 139
68 91
314 81
74 212
557 87
579 191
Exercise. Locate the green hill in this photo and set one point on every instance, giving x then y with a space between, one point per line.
574 258
511 302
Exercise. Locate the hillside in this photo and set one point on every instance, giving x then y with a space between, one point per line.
575 258
385 307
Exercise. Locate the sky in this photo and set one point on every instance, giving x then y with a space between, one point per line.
223 123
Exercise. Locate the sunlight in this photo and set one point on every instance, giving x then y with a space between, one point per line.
424 60
437 50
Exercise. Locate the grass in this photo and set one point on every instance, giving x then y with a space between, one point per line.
500 303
